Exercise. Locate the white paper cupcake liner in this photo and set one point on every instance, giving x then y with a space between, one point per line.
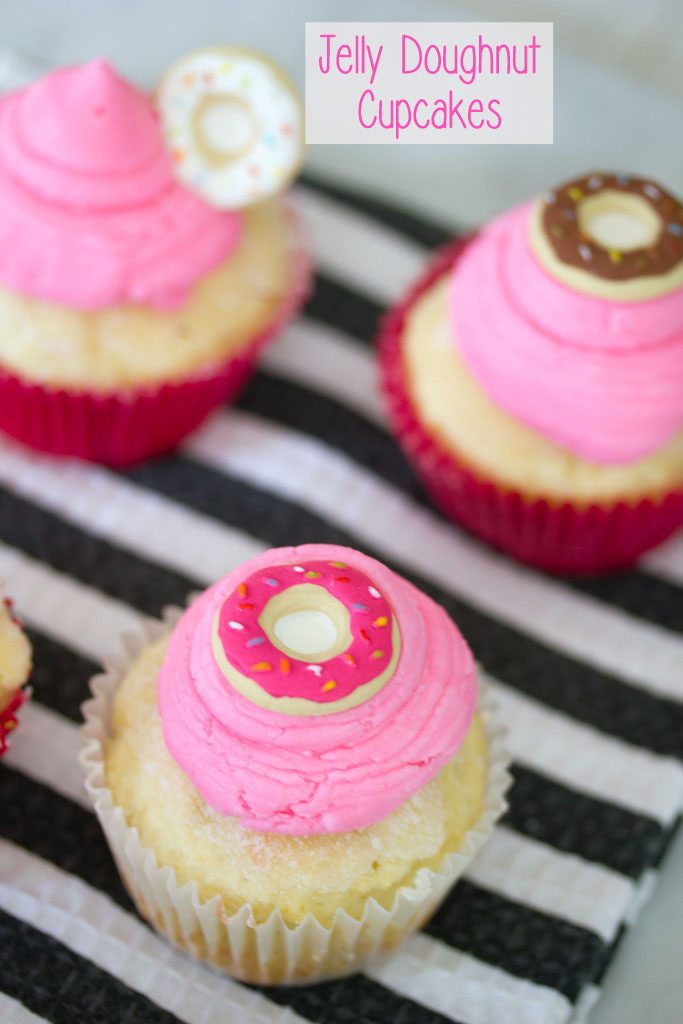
270 952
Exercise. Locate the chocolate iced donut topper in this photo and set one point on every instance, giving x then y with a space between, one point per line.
614 226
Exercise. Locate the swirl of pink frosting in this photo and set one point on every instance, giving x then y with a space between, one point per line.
317 774
90 212
603 379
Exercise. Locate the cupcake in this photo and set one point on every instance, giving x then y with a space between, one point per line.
15 668
535 376
292 773
145 253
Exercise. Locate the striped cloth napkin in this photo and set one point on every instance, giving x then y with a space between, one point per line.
587 675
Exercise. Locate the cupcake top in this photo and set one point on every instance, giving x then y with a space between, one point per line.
313 691
91 214
569 311
15 668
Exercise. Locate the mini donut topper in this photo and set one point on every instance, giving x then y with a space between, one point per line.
233 123
614 226
312 638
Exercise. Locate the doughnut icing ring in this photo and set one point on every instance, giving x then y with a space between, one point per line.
563 223
357 655
233 123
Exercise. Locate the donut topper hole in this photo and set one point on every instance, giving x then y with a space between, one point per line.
224 127
308 632
307 623
619 220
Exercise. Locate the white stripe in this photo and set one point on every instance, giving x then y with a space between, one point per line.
559 884
585 759
463 988
92 926
302 469
366 255
79 616
585 1004
329 361
522 869
667 560
46 750
202 548
13 1012
145 523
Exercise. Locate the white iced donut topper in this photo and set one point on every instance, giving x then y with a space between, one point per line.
233 123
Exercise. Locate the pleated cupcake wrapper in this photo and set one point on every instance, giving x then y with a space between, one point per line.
121 428
270 952
9 718
563 538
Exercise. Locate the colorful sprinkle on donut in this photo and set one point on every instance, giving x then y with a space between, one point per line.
234 126
560 216
366 634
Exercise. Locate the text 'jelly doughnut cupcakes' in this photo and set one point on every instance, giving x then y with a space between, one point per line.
535 375
131 301
292 773
15 669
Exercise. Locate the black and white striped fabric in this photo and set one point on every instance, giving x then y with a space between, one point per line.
587 674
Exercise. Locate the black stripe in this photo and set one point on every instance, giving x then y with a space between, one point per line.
333 304
58 830
416 227
558 680
518 939
356 1000
639 593
293 405
576 823
51 980
60 677
89 558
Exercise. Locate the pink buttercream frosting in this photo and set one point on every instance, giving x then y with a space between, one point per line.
90 212
603 379
317 774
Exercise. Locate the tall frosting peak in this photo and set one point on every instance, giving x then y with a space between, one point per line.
91 213
89 118
82 136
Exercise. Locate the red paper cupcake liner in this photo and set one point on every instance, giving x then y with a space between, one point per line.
119 429
9 720
560 538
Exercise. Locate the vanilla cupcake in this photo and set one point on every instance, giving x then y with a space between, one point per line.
15 669
292 773
145 256
535 375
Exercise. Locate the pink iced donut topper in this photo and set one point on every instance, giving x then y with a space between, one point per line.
91 214
585 360
332 610
249 712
